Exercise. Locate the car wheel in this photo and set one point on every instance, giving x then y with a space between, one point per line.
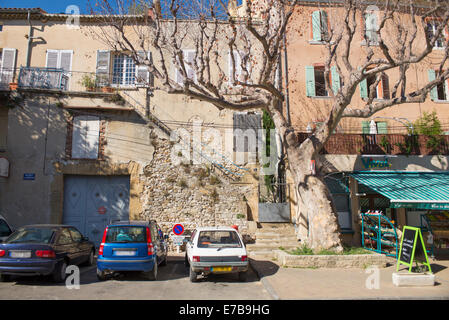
193 275
59 274
243 276
5 277
90 259
152 274
164 262
101 275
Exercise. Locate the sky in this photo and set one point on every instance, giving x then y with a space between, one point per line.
51 6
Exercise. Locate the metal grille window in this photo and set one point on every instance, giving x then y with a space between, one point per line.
123 70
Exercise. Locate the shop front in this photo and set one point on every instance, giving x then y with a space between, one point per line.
389 200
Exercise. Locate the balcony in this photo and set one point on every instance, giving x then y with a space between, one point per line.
380 144
43 78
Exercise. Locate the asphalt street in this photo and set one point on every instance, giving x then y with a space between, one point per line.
172 284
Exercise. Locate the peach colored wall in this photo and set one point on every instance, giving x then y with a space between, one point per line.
302 53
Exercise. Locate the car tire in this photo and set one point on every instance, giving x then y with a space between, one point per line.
90 259
5 278
59 274
164 262
101 275
243 276
152 274
193 275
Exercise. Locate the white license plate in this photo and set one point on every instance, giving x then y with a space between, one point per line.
125 253
20 254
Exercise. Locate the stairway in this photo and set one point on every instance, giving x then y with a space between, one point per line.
270 237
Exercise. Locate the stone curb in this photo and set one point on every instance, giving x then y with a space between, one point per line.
264 281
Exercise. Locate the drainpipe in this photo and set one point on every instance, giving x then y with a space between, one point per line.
30 39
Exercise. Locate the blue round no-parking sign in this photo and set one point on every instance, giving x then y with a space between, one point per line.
178 229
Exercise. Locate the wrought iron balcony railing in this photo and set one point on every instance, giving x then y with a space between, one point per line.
43 78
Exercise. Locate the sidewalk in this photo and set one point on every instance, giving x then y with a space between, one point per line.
304 283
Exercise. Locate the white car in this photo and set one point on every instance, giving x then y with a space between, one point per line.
5 229
216 250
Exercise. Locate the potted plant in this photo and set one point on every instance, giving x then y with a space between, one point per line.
107 89
13 85
88 82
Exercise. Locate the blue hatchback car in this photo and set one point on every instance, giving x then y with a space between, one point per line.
132 246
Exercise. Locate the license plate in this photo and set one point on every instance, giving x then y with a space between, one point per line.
221 269
125 253
20 254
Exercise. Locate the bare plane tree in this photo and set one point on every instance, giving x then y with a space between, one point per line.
254 43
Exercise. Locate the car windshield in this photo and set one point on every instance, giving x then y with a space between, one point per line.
119 234
35 235
218 239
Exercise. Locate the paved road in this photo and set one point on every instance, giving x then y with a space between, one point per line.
172 284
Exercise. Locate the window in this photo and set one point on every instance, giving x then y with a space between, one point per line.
64 237
381 91
246 126
7 65
374 127
120 70
86 136
217 239
239 72
76 235
123 70
189 59
441 91
60 59
4 229
371 28
319 25
432 27
124 234
316 81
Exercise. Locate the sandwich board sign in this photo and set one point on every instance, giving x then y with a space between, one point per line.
412 249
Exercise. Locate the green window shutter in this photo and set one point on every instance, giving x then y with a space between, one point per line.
316 25
335 79
324 21
382 127
365 127
434 91
364 89
310 81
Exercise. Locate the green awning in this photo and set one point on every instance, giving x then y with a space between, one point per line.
417 190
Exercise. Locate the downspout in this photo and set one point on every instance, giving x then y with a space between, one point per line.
30 39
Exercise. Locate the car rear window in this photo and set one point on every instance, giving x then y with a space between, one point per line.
4 229
124 234
33 235
218 239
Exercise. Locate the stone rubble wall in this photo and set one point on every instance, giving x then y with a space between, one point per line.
192 195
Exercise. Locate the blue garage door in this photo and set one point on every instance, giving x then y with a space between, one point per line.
91 202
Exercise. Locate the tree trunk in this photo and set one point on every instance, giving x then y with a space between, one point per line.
315 205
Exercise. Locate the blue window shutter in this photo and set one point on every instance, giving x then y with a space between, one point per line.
335 79
364 89
310 81
434 91
316 26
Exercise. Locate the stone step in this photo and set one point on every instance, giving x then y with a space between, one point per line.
268 236
262 247
282 241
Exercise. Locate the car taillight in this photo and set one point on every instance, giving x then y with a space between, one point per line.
45 254
196 259
150 249
149 243
2 253
244 258
100 250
